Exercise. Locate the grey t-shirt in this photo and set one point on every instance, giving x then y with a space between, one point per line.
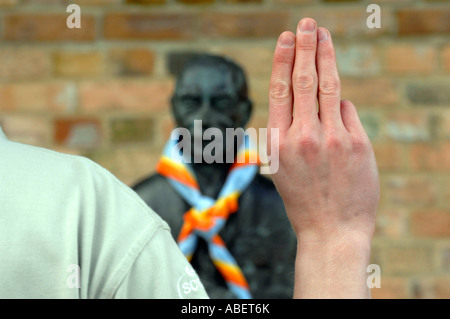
70 229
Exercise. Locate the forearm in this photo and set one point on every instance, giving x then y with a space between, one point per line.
332 269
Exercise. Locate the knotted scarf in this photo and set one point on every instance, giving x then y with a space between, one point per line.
208 216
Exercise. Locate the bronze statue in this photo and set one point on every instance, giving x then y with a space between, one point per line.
258 235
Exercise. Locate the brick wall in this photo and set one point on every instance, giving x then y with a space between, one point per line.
102 91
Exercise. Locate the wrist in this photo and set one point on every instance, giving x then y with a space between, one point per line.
336 268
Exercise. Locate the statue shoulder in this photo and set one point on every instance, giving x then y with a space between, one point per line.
264 188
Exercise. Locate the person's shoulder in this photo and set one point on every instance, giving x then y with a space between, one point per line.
77 174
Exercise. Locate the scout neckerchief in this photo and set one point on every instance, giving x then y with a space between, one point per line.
208 216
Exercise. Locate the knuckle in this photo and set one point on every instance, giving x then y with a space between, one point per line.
335 142
304 82
308 143
307 45
360 144
329 86
279 90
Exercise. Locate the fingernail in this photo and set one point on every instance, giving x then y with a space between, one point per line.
307 26
286 41
323 35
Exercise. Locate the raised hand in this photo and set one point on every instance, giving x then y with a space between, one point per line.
327 174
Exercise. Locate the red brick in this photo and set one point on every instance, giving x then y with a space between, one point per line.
148 96
132 62
76 64
409 190
366 91
434 157
149 26
430 223
24 63
47 27
411 59
77 132
38 96
423 21
243 25
27 129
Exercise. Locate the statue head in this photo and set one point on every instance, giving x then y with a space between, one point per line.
212 89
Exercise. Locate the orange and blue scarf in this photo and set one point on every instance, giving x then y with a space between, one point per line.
208 216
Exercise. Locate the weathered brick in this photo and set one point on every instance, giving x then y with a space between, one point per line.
431 288
67 2
196 1
145 2
128 95
37 96
366 91
149 26
408 258
47 27
243 1
391 222
131 130
27 129
434 157
129 165
430 223
409 126
423 21
371 124
389 156
255 60
391 288
242 25
357 59
24 63
344 21
445 258
446 58
411 59
294 1
428 93
8 2
409 190
78 132
75 64
132 62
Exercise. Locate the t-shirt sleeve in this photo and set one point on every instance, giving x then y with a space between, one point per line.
161 271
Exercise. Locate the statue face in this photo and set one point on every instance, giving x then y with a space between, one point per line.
208 94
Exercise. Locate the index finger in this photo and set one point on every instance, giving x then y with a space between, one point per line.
280 88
